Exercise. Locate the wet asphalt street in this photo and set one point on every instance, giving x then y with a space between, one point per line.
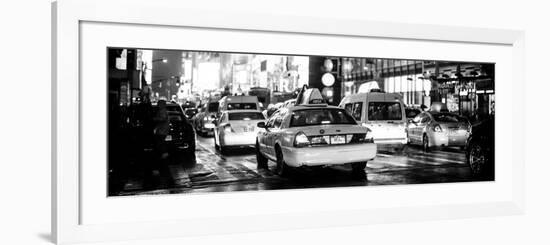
212 172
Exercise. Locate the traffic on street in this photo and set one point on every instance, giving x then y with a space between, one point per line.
200 122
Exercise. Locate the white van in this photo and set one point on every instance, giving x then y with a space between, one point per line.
383 113
244 102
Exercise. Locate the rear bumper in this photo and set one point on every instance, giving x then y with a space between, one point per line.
329 155
444 139
238 139
391 141
181 146
208 128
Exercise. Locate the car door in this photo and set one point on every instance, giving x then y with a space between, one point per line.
422 126
265 134
426 121
274 133
415 129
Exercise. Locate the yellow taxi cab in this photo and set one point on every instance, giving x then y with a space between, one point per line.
312 133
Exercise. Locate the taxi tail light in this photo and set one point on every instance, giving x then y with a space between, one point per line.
437 128
368 136
301 140
228 129
362 138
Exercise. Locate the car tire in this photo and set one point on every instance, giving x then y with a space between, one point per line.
260 158
282 168
477 159
358 170
426 143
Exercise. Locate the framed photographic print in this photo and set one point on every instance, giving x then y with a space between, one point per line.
204 123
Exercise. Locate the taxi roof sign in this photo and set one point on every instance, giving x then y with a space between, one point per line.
310 96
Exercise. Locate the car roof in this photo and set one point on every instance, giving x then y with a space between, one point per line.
241 111
312 106
240 98
382 96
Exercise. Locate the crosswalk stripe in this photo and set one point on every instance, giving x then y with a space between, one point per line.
417 156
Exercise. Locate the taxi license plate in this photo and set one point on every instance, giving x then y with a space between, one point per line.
338 139
168 138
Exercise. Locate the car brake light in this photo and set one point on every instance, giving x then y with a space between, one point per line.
437 128
368 136
301 140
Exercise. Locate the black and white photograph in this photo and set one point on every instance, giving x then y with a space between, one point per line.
188 121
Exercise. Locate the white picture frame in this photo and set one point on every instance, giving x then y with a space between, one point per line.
67 19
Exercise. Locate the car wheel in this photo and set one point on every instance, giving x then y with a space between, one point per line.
358 170
260 158
426 143
477 159
282 168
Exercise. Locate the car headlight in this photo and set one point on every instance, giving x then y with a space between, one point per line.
301 140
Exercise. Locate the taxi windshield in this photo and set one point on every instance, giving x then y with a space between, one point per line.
308 117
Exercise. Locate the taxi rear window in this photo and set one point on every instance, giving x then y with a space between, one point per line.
241 106
238 116
311 117
384 111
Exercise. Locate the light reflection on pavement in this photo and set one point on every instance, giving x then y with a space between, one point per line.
213 172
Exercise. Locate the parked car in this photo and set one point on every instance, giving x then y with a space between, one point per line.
480 149
203 120
439 129
181 137
383 113
313 135
236 129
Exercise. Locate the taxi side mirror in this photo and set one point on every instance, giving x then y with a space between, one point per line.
261 124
